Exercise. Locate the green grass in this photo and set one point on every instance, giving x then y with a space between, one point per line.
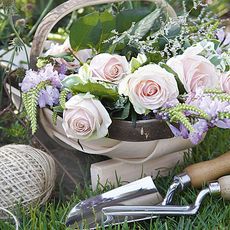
213 214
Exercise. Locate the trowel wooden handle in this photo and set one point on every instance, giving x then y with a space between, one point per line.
205 171
225 187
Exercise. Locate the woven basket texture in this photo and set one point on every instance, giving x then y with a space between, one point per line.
27 176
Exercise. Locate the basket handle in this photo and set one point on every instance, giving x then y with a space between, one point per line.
65 8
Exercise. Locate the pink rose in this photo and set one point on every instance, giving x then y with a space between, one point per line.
108 67
225 82
194 71
85 117
58 49
149 88
65 48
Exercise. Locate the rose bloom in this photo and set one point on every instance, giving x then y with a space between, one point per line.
108 67
225 82
150 87
194 71
59 49
65 48
85 117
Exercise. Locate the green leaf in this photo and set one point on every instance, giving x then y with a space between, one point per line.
173 31
124 113
102 91
215 60
125 18
71 80
140 29
108 24
137 62
179 83
90 30
86 31
155 57
145 25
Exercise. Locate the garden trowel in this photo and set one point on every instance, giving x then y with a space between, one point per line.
88 214
220 187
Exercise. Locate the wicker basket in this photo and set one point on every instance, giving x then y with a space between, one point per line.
149 139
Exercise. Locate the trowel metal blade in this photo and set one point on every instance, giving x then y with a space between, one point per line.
107 221
89 212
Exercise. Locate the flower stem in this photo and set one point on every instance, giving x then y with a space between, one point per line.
19 38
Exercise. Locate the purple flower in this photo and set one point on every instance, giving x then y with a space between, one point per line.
200 128
223 37
63 69
33 78
209 105
224 124
181 132
30 81
48 73
171 103
49 96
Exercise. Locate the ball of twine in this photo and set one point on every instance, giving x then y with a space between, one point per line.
27 176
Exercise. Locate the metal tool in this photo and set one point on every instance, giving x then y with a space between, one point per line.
222 186
89 211
138 192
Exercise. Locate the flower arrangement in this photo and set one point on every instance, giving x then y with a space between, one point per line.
114 66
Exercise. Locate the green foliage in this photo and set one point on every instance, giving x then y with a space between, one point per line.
30 100
11 131
177 114
100 90
62 98
97 27
124 114
93 28
223 115
222 97
126 18
119 109
54 117
138 30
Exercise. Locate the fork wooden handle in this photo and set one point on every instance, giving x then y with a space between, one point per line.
225 187
206 171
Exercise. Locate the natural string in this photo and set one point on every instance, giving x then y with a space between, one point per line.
14 217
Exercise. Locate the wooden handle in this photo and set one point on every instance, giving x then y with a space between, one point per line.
203 172
67 7
225 187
